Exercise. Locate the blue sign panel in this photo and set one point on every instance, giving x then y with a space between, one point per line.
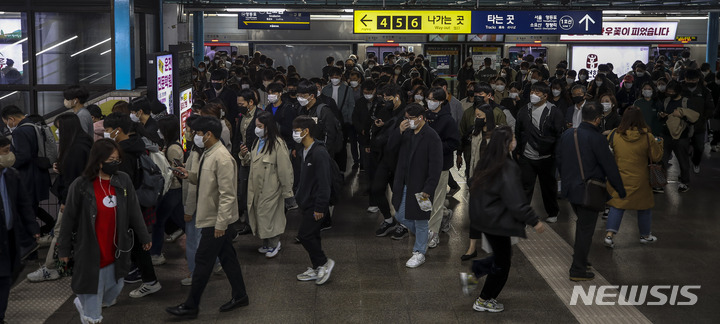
274 20
537 22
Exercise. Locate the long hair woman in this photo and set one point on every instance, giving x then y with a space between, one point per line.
633 144
479 138
270 182
499 210
170 206
103 212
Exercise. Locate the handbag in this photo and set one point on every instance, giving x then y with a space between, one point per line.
595 193
658 176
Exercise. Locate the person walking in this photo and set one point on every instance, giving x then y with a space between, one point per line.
216 181
420 163
103 211
270 182
499 210
633 145
585 144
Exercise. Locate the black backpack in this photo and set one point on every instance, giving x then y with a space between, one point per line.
338 182
333 144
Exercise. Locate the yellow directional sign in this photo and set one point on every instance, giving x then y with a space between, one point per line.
411 22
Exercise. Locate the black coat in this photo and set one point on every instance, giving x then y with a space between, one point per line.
73 165
610 122
380 135
418 168
447 128
544 139
499 207
229 98
363 120
315 185
250 137
24 225
151 131
131 149
79 218
598 162
25 147
284 116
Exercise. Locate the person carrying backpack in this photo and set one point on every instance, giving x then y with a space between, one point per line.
25 146
329 128
118 127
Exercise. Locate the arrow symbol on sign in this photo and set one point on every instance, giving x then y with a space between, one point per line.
587 20
363 20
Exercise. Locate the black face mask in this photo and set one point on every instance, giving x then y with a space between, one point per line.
217 86
691 84
578 99
479 123
471 94
292 93
110 168
243 109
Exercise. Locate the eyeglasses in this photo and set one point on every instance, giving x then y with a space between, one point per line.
118 161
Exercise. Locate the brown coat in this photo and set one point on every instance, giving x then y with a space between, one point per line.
631 155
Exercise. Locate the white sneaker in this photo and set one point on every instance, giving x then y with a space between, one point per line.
79 308
416 260
158 259
445 223
174 236
145 290
309 275
648 239
696 169
272 252
186 282
433 240
263 249
373 209
609 242
551 219
323 272
43 274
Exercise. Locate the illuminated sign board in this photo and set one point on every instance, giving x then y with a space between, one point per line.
164 81
619 31
11 43
686 39
411 22
622 57
185 112
274 20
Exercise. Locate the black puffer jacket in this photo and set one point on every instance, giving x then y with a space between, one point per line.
447 128
499 207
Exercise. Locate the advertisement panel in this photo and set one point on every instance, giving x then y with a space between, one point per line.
11 43
164 69
625 31
185 112
622 57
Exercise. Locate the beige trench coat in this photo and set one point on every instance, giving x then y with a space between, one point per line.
269 183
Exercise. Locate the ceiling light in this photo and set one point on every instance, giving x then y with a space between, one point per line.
621 12
98 44
255 10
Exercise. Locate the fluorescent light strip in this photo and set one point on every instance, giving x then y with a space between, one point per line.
89 76
108 51
621 12
9 94
56 45
98 44
100 78
255 10
16 43
224 15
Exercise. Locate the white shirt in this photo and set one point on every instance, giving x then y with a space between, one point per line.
335 93
577 115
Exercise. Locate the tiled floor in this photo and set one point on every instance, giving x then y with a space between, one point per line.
371 284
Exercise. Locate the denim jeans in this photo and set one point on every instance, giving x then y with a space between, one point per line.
615 217
169 208
192 241
417 227
108 290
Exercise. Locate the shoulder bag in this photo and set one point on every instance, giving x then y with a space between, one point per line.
595 194
658 177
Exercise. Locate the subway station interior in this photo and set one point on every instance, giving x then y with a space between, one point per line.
168 54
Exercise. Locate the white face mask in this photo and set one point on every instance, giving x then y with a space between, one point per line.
297 137
419 97
628 85
106 135
134 118
259 132
199 142
647 93
513 95
533 81
335 81
57 133
433 104
245 86
413 124
272 98
354 84
319 93
607 106
534 99
705 73
569 80
640 74
599 83
368 96
556 93
266 83
494 87
370 66
302 101
500 88
661 88
503 74
583 77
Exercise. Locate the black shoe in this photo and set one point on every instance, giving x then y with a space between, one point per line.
235 303
400 233
133 277
466 257
326 223
244 229
183 311
582 276
385 228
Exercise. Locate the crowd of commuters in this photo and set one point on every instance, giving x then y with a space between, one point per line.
263 140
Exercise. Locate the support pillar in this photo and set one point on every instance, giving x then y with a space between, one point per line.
124 29
711 52
198 36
